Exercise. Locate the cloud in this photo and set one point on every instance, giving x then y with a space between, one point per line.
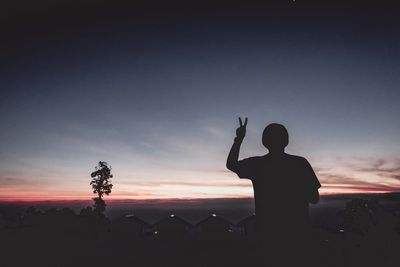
382 167
376 165
362 174
18 178
192 183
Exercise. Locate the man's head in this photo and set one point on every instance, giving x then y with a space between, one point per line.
275 137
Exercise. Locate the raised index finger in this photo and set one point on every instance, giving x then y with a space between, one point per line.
245 122
240 122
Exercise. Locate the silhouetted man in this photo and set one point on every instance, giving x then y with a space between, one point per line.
284 185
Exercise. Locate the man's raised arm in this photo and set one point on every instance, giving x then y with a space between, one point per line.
233 157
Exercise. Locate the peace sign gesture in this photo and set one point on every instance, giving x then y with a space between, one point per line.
241 131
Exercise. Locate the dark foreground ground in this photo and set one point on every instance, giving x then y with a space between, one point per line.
366 234
20 248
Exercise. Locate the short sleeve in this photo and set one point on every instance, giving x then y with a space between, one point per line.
310 176
247 168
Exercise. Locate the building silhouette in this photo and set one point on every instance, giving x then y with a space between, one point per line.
215 227
172 227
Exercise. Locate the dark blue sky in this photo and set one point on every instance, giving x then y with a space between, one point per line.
156 91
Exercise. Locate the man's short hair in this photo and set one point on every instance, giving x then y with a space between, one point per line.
275 136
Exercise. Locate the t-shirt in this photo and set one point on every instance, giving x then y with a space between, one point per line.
283 185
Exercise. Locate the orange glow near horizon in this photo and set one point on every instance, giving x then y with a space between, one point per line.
356 177
324 191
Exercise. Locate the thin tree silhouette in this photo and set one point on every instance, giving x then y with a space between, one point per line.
101 185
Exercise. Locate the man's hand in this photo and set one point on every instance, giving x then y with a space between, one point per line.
241 131
233 157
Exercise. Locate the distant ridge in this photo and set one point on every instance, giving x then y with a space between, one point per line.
191 201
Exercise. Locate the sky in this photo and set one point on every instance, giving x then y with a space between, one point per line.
156 91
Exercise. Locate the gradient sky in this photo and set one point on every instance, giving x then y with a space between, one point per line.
156 92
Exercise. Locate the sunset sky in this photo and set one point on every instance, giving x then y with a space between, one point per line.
156 92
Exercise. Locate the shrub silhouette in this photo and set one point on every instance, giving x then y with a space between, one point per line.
360 215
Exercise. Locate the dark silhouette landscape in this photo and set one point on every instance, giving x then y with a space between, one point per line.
118 145
348 230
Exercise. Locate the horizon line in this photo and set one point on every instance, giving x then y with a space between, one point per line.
166 200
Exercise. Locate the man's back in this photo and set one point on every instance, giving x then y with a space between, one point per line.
282 186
